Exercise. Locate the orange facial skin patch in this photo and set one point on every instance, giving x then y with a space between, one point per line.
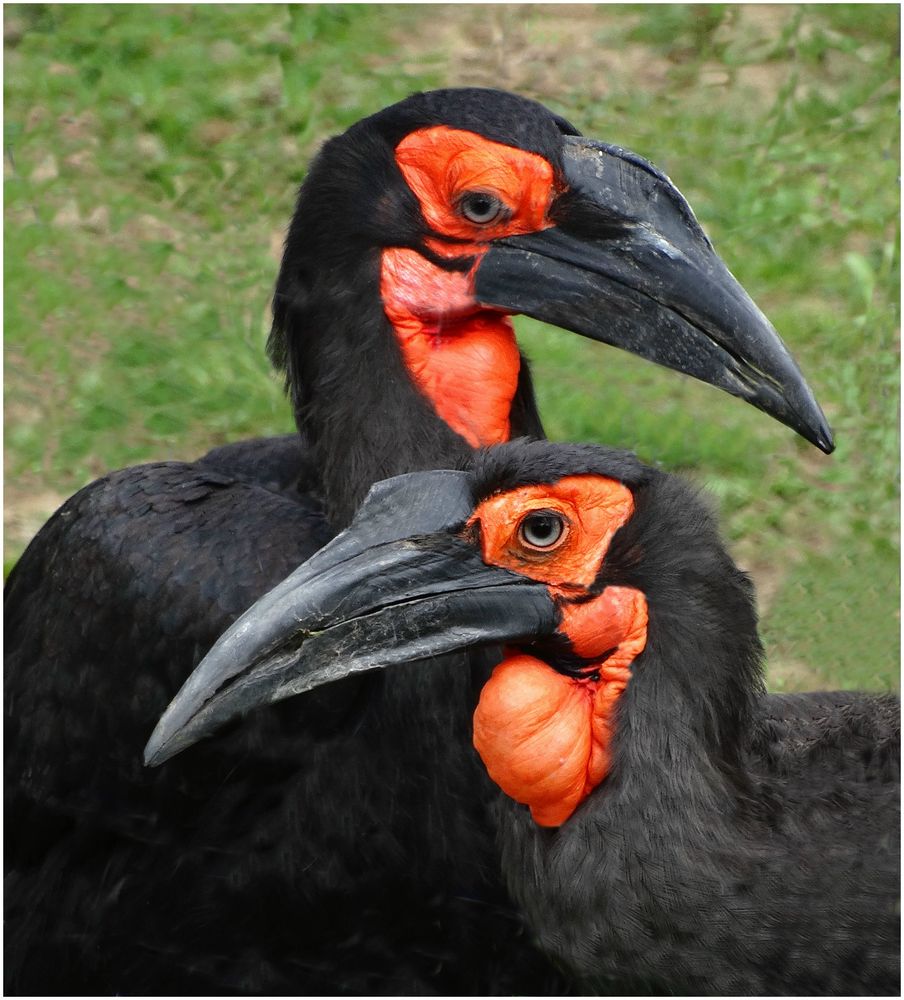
463 357
593 507
545 737
441 164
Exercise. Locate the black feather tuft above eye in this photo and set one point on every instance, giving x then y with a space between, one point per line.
481 207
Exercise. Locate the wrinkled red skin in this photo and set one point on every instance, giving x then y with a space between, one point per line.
544 737
464 358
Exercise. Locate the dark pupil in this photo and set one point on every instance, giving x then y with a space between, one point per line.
480 206
542 529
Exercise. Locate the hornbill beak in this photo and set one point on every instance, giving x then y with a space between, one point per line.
625 236
398 585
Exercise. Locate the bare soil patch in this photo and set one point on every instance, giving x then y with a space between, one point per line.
549 51
24 512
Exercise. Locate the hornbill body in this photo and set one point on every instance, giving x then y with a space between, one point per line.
685 833
337 846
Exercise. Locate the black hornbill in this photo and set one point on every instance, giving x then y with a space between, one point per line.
686 833
423 227
243 868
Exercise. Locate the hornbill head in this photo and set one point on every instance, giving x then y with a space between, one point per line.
453 209
583 563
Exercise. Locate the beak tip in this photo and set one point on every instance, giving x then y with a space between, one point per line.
158 749
817 431
826 442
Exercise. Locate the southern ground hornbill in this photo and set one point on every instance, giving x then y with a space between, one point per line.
315 850
680 831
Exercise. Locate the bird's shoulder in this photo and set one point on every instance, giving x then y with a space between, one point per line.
828 763
117 598
282 464
849 728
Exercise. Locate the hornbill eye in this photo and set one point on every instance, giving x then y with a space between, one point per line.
481 207
542 529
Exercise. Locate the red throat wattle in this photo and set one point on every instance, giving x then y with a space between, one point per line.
463 357
546 737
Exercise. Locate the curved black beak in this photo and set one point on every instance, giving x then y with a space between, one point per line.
369 599
628 264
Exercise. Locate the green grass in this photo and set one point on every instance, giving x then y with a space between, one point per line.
151 158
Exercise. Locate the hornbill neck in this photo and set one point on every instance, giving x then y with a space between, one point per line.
686 714
355 398
684 721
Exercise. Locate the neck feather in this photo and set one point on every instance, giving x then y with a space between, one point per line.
364 416
687 713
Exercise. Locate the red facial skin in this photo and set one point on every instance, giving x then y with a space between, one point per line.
463 357
545 737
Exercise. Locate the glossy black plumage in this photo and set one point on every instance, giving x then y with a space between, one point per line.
260 864
338 846
742 843
245 870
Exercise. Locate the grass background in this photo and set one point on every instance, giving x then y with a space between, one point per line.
151 156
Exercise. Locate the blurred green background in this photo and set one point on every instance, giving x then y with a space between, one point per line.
151 159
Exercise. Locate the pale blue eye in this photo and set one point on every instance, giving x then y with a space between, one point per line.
542 529
480 207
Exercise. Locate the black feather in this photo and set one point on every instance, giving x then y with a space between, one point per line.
336 846
743 843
